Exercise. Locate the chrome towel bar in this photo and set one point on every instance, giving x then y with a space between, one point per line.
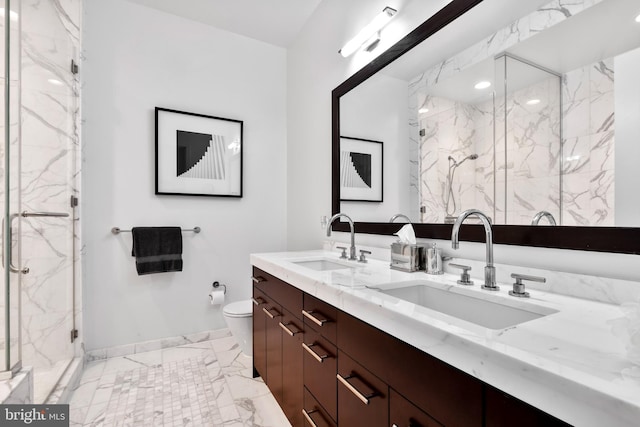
118 230
26 214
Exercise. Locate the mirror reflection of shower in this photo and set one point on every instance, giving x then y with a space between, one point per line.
450 198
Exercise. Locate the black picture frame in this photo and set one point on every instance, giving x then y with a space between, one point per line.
197 154
361 170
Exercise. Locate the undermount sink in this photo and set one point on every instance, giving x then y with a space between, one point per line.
322 265
489 314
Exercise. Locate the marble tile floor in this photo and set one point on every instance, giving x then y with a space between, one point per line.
207 383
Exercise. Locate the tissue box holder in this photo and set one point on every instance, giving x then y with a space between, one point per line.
406 257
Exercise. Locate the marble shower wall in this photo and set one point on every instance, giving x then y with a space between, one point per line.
589 145
50 39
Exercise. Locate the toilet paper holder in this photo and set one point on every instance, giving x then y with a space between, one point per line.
217 284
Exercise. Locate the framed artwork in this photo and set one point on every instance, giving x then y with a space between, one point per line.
198 155
360 170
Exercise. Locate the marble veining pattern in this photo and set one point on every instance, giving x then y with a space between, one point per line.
208 383
50 141
510 182
570 363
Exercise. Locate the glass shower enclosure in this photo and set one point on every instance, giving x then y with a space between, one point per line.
38 326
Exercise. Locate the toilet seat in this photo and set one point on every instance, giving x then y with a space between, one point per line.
238 309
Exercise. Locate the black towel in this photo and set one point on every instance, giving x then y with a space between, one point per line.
157 249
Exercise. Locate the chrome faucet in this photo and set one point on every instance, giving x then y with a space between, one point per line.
542 214
352 250
399 215
489 269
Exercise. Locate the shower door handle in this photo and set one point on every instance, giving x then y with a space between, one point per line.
12 268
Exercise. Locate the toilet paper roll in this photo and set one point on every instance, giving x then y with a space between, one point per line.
217 297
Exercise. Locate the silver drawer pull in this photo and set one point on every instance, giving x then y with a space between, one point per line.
258 279
363 398
310 315
307 416
285 327
318 357
268 312
258 301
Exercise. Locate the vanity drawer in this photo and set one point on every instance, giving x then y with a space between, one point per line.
321 317
314 413
404 413
288 296
363 398
320 366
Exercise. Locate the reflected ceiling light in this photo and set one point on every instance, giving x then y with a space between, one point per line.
533 102
12 15
368 32
423 110
55 82
482 85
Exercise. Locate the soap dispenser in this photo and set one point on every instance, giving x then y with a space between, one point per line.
434 260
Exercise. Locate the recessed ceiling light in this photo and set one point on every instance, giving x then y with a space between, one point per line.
55 82
533 101
638 18
423 110
482 85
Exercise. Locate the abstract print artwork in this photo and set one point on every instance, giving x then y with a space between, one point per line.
360 170
197 154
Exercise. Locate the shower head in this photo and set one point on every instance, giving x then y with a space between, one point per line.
473 157
456 164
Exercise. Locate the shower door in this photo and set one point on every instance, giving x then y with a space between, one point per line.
10 200
39 155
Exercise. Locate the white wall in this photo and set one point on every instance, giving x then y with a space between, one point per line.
314 69
136 58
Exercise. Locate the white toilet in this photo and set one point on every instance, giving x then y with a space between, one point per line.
238 317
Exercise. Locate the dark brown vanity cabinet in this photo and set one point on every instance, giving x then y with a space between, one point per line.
363 398
277 341
327 368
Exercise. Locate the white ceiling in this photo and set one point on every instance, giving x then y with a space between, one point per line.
276 22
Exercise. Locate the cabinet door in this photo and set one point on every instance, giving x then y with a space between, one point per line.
363 398
273 313
503 410
259 334
403 413
292 384
320 368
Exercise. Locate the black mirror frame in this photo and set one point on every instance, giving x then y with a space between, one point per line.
624 240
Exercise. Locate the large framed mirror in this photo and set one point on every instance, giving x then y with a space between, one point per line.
528 111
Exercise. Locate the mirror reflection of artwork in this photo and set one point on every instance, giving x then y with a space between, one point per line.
360 170
200 155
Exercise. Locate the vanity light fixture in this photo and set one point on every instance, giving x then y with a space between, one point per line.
534 101
482 85
368 33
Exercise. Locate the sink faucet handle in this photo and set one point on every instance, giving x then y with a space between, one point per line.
465 278
363 254
518 286
344 252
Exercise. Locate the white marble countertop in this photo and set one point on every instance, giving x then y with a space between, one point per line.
569 364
